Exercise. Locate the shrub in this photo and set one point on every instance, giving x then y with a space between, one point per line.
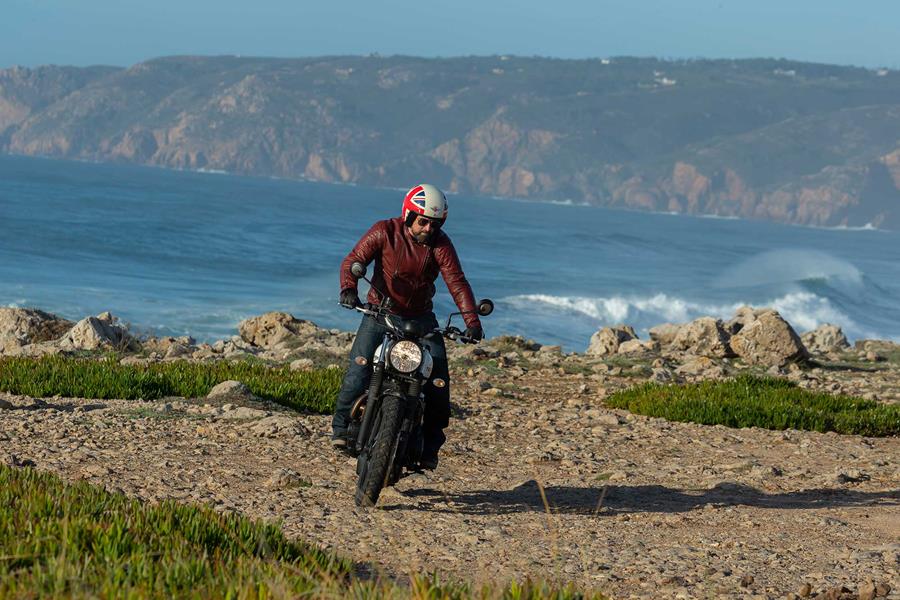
751 401
61 540
107 379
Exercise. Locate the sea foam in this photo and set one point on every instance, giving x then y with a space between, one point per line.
804 310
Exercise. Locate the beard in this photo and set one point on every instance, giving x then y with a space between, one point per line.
423 237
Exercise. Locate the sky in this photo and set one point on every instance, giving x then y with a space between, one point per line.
125 32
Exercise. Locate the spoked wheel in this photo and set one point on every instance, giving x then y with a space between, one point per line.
373 466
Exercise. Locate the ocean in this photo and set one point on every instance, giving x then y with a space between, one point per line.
187 253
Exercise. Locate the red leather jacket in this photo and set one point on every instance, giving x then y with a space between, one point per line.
406 270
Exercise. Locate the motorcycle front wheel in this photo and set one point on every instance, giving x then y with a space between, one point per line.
375 470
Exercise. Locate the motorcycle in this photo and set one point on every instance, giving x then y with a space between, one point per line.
385 432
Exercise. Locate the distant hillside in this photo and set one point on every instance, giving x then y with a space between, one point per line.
793 142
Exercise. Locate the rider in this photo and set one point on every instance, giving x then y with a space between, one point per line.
409 251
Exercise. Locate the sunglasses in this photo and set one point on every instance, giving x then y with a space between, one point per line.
425 221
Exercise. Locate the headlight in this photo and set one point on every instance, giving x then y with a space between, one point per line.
406 356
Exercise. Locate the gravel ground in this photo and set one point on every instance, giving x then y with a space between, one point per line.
537 478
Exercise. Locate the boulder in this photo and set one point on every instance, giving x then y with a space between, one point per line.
882 346
101 332
161 345
824 339
637 347
515 341
743 316
303 364
277 426
769 340
274 328
230 390
22 326
701 367
177 350
606 341
664 334
702 337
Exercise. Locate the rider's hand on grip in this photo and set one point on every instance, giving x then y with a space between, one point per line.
349 298
475 333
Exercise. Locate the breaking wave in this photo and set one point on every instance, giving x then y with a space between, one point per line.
787 266
804 310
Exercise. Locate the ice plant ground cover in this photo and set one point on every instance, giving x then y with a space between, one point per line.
751 401
78 540
107 379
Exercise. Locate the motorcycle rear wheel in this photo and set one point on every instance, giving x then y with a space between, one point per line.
377 464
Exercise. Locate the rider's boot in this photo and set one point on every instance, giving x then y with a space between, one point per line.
428 463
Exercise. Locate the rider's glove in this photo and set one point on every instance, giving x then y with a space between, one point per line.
476 333
349 298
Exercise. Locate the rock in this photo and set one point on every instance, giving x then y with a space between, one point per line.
661 375
872 356
303 364
135 360
743 316
177 350
805 590
867 591
825 338
23 326
877 346
606 341
607 419
273 328
882 589
94 333
516 341
851 476
230 411
161 345
664 334
702 337
702 367
4 405
277 426
769 340
231 390
283 478
550 350
13 460
637 347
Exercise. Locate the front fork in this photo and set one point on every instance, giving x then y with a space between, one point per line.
374 396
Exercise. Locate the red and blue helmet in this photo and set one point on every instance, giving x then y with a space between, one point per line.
425 200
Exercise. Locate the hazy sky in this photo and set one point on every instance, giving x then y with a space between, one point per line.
123 32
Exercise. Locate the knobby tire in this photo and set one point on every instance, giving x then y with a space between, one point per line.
371 482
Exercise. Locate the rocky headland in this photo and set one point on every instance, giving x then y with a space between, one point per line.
787 141
538 476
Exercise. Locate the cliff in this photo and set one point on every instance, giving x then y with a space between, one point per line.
771 139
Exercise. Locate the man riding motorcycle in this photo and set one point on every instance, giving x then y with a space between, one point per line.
409 252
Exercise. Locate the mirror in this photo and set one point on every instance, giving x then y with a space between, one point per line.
485 307
358 269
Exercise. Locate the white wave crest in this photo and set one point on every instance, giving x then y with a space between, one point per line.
786 266
804 310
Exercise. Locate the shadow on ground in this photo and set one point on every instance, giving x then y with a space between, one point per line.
529 497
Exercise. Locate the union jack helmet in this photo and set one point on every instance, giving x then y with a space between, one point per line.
427 201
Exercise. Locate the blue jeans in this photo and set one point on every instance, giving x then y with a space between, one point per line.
356 381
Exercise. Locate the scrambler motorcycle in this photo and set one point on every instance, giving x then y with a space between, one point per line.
385 431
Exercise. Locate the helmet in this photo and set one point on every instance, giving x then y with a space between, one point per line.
427 201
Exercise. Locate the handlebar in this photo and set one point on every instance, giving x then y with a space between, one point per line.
450 332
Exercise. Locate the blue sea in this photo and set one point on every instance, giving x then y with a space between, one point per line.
176 253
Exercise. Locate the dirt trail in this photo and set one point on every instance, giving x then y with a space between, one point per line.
538 480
